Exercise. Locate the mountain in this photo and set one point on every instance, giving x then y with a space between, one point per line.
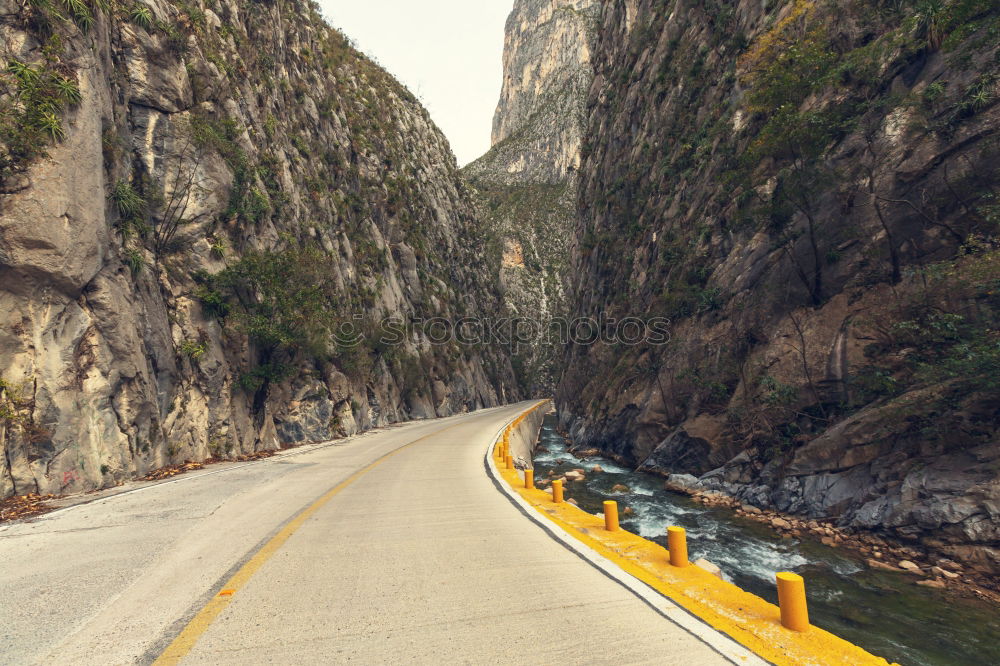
527 182
203 205
808 191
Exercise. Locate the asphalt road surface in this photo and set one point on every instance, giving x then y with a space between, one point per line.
394 546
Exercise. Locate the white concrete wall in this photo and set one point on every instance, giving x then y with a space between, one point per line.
524 437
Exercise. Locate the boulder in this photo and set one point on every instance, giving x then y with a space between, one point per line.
685 484
709 567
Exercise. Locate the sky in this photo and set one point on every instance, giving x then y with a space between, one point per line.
447 52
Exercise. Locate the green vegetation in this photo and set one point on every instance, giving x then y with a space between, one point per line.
193 349
280 299
142 16
947 331
780 157
33 98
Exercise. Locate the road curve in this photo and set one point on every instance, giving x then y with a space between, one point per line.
407 553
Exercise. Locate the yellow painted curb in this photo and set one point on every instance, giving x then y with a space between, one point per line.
744 617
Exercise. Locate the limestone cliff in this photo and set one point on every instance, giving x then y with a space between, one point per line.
809 191
528 180
203 205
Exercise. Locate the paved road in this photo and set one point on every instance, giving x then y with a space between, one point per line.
418 559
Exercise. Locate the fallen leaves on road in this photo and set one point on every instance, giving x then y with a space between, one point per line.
188 466
255 456
172 470
24 506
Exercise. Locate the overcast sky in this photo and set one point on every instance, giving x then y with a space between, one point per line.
447 52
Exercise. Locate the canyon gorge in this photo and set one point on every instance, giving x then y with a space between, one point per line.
199 198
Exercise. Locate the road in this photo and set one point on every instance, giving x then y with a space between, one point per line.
417 557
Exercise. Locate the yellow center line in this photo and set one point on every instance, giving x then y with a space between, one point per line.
199 624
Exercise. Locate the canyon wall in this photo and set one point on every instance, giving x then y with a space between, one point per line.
808 190
528 181
203 206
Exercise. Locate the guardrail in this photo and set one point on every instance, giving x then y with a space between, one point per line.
782 635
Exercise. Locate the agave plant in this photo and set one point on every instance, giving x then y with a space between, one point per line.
68 90
129 203
142 16
930 15
81 13
135 260
23 72
50 124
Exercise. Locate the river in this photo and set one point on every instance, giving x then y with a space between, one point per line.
881 611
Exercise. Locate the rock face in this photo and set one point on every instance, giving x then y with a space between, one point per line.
547 72
808 192
203 206
528 180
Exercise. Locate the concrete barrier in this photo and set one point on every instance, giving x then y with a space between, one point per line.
523 435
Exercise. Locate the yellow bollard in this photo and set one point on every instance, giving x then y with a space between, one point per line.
611 516
557 491
509 460
678 546
792 600
529 479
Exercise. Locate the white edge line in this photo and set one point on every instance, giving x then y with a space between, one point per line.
724 645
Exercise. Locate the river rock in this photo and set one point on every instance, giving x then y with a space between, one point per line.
875 564
751 509
709 567
781 524
950 565
575 475
907 565
620 488
685 484
572 501
597 469
936 584
944 573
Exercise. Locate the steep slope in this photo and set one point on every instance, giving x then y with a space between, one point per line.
528 180
208 210
808 190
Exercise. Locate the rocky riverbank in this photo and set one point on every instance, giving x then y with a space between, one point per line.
929 568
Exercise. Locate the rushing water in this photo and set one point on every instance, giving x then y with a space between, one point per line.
884 612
